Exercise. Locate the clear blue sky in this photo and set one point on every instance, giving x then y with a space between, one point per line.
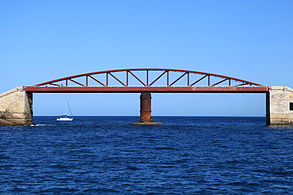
247 39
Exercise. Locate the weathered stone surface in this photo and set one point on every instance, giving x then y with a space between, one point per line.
278 106
16 107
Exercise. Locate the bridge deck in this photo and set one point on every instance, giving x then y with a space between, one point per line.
262 89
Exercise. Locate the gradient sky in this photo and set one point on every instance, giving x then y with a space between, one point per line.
246 39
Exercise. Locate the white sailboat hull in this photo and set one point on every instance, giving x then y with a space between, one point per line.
64 119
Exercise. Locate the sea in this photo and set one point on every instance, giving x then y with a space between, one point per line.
185 155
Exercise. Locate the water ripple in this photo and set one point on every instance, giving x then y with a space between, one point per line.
186 155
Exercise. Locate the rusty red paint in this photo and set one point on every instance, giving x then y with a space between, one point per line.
198 80
117 79
75 82
97 81
148 70
178 79
34 89
219 82
137 78
145 107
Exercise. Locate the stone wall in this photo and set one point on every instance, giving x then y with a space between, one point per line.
16 107
278 106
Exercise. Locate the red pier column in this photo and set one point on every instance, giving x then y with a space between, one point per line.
145 107
146 110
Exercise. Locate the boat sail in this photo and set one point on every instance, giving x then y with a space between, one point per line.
65 117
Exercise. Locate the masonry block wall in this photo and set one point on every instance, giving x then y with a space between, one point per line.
16 107
280 106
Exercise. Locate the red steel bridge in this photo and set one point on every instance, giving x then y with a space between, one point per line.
147 81
152 80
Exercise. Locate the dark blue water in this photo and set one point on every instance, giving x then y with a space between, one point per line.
185 155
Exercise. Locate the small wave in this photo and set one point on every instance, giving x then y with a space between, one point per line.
2 156
243 183
57 189
133 168
100 190
232 161
59 166
166 166
273 181
165 148
17 189
289 173
6 166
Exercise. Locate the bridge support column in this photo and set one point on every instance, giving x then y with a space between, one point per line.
16 107
280 106
146 110
145 107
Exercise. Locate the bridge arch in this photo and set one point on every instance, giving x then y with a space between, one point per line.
192 79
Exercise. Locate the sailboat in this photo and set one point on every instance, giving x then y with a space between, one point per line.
65 117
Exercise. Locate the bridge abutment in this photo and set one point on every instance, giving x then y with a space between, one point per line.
16 107
279 106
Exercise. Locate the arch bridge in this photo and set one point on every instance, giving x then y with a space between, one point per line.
154 80
16 104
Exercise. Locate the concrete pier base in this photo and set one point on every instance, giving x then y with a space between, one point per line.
147 123
146 110
280 106
16 107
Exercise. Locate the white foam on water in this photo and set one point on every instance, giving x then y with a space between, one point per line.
38 125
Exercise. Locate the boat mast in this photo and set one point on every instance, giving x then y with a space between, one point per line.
68 106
